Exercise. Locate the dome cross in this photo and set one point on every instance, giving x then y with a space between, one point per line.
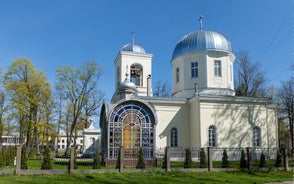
201 21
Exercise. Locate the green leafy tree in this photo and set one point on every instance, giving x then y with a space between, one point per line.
262 160
97 163
81 95
2 109
140 164
27 90
188 159
203 163
243 162
46 164
225 162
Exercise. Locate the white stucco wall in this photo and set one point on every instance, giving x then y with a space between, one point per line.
235 123
172 115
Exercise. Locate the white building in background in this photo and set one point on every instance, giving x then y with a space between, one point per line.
203 110
87 141
91 140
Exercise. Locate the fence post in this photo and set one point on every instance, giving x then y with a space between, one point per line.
167 159
248 157
72 159
121 161
285 158
209 155
18 159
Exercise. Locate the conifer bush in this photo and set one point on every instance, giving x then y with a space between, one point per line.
262 160
97 163
1 159
46 164
243 162
225 162
140 164
23 163
278 160
118 159
203 163
188 159
164 161
33 153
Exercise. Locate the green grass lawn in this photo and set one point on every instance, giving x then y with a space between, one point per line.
153 177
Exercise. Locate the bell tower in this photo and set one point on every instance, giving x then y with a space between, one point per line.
133 58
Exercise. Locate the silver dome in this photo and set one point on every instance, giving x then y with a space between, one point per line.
127 85
133 48
201 41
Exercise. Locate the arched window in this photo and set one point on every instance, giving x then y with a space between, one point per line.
212 136
137 74
174 137
131 124
256 137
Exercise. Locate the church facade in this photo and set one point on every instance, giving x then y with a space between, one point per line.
203 110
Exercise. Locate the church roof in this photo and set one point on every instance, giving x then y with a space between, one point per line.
202 40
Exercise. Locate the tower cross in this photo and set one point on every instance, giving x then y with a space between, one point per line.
201 21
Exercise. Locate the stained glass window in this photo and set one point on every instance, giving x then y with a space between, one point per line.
131 124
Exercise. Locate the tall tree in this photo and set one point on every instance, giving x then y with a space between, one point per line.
82 95
2 100
27 89
162 89
249 79
286 95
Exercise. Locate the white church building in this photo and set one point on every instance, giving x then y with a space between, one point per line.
203 110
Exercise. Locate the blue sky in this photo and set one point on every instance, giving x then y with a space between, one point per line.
55 33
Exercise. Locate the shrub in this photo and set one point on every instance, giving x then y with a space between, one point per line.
140 164
243 162
278 160
46 164
262 160
225 162
97 163
33 153
9 155
203 163
23 163
188 159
